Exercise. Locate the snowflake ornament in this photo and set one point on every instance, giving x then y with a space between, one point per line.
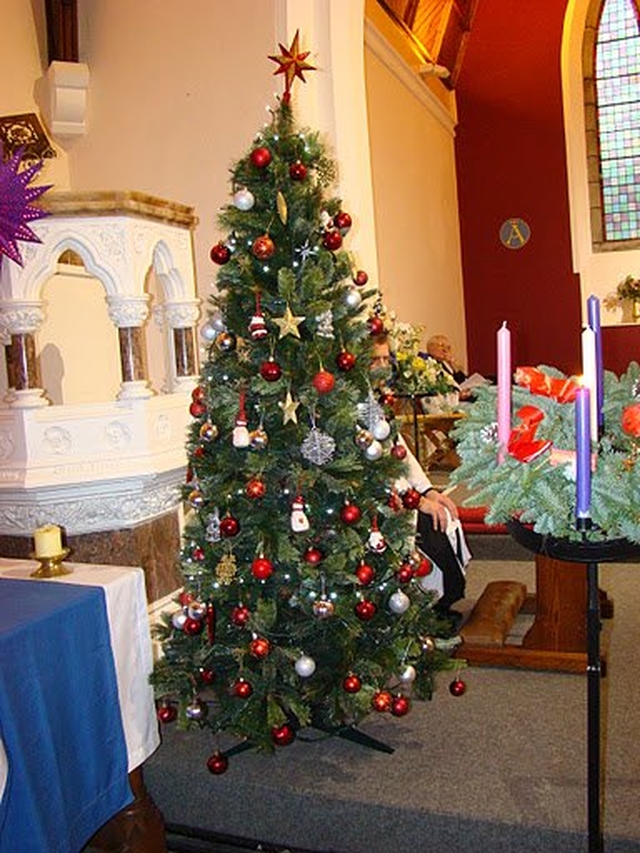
318 447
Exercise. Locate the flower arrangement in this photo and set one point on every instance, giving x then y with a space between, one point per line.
416 373
628 290
534 480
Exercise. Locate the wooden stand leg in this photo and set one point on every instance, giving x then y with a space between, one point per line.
557 640
138 828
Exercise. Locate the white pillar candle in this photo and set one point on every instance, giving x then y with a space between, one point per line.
48 541
590 377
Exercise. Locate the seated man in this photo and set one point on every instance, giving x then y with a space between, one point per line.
439 533
439 347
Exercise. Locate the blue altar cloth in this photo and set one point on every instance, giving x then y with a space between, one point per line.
60 719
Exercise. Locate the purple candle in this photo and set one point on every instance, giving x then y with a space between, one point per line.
593 320
583 454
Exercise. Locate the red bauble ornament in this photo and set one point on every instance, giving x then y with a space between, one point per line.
263 248
240 615
630 420
198 394
256 488
186 598
206 676
220 253
283 735
262 568
167 712
242 688
196 409
360 278
411 499
365 574
313 556
424 567
351 683
405 573
332 240
345 360
365 610
197 554
399 450
350 514
297 171
270 370
381 701
457 687
260 647
260 157
217 763
400 705
199 451
229 526
376 326
192 627
324 382
342 221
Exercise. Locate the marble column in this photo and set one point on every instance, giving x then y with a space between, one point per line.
181 318
129 313
19 322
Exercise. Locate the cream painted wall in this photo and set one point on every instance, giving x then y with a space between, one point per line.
177 94
414 182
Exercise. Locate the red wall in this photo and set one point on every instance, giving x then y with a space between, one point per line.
510 156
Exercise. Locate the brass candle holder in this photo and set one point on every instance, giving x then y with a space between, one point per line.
51 566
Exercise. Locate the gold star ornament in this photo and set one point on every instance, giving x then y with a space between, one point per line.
289 409
292 62
288 324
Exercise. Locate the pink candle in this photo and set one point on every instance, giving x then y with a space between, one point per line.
504 388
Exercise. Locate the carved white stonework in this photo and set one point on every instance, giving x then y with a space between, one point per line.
26 398
182 315
138 389
20 317
128 311
94 467
68 84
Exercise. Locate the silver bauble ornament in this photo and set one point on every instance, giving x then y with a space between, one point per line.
381 429
208 333
217 321
352 298
399 602
408 674
373 451
196 710
178 619
305 666
243 199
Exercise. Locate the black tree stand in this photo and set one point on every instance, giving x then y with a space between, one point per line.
590 554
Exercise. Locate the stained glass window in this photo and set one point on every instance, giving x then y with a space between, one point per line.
618 109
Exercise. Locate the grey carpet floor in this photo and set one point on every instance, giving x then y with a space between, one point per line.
501 769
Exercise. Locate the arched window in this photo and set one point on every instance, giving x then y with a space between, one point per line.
612 78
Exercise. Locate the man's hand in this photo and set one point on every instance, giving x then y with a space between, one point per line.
435 504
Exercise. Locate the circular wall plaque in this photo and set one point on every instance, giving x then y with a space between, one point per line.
514 233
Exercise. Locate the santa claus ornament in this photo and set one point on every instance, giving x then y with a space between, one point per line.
299 520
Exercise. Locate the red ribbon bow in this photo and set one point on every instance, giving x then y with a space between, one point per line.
522 444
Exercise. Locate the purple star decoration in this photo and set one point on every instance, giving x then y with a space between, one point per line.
15 204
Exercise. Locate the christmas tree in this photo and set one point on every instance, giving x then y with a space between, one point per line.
302 603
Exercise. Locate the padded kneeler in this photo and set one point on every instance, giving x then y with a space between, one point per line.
494 613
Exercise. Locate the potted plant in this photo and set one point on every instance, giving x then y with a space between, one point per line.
625 296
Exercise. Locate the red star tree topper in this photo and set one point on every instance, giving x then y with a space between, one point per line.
291 62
